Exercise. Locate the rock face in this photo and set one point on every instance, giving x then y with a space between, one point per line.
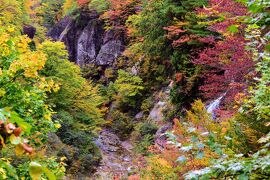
86 40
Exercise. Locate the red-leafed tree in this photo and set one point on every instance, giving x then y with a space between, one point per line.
83 2
118 13
227 64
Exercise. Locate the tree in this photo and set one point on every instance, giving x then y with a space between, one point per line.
227 64
165 37
24 111
78 104
76 95
11 13
254 110
69 7
50 11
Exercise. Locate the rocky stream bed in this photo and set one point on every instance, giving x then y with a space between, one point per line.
117 157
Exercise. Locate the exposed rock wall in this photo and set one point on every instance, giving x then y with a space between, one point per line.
86 40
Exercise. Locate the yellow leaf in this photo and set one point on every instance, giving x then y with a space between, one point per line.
14 139
19 150
63 158
57 125
2 141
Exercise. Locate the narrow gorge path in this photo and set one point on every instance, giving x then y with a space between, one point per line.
118 160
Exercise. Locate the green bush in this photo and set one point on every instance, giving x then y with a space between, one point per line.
148 129
147 104
99 5
76 95
142 145
48 11
121 123
128 88
81 139
143 136
78 104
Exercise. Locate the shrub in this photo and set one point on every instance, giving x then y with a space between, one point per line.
76 95
148 129
25 112
69 7
128 88
159 168
99 5
78 104
121 123
142 145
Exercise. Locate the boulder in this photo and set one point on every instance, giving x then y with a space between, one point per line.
109 52
29 30
108 141
160 137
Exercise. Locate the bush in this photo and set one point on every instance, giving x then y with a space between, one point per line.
148 129
143 136
128 88
49 11
81 139
99 5
78 104
159 168
121 123
142 145
24 93
147 104
69 7
76 95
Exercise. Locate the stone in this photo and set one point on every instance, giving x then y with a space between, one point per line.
55 32
109 52
160 137
29 30
108 142
127 159
139 115
86 40
126 145
89 43
156 114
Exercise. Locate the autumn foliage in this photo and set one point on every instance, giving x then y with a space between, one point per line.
157 100
118 13
82 2
227 64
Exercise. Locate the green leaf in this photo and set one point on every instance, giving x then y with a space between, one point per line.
267 47
14 118
254 8
35 170
233 29
218 151
48 173
243 177
200 155
11 170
